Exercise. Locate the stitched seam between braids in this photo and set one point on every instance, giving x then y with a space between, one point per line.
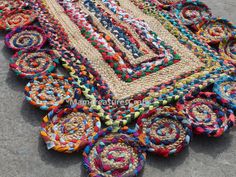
120 89
131 59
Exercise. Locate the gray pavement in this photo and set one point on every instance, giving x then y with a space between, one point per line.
24 154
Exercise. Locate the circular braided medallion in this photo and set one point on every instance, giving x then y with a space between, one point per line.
193 14
225 87
8 5
113 154
26 38
69 129
17 18
215 30
33 64
48 92
206 113
227 48
164 131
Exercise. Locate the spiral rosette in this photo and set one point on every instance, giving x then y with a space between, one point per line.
8 5
225 87
164 131
216 30
50 91
227 48
192 13
26 38
114 154
17 18
33 64
206 113
69 129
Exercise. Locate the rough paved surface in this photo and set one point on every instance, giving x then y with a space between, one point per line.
24 154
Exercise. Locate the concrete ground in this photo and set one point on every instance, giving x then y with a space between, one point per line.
24 154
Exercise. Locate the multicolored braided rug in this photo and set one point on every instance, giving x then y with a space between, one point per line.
167 66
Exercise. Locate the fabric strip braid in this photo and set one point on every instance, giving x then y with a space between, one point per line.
8 5
69 129
33 64
227 48
165 131
27 38
17 18
192 13
208 114
225 87
114 154
49 91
